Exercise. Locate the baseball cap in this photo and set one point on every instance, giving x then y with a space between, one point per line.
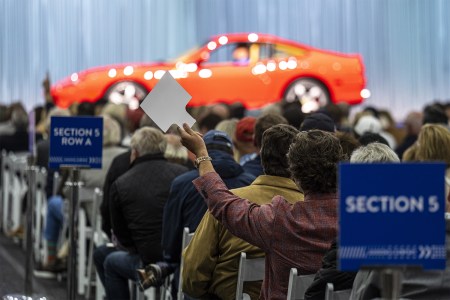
216 137
367 124
245 129
318 121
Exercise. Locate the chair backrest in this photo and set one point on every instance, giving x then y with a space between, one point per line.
97 238
330 294
187 237
40 211
250 269
56 182
298 284
6 185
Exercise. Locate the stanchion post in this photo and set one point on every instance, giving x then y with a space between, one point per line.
73 225
29 259
390 283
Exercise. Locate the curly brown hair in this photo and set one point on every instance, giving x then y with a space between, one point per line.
313 157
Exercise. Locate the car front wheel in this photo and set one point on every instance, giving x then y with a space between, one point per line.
126 92
310 93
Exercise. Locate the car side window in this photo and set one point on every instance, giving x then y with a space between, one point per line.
285 51
265 51
235 53
222 54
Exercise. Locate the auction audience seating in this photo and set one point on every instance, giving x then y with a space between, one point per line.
187 237
330 294
250 269
298 284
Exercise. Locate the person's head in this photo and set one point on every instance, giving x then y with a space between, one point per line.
241 53
367 123
433 144
293 114
372 111
175 151
146 121
263 123
99 105
410 154
334 112
313 157
348 143
319 121
369 137
275 145
245 129
118 113
133 119
237 110
209 122
218 140
19 117
227 126
221 109
374 152
386 120
434 114
4 113
55 112
86 109
111 132
147 141
413 122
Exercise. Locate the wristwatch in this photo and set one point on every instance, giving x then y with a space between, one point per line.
200 159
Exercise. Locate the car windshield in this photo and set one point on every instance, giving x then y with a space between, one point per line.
185 56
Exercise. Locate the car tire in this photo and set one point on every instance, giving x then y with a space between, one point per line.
126 92
310 93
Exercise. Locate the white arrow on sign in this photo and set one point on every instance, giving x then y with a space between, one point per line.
424 252
166 103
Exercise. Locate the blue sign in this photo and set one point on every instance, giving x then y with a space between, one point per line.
391 214
76 142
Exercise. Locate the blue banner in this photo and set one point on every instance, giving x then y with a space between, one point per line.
391 214
76 142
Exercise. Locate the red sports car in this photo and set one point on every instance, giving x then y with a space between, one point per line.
255 69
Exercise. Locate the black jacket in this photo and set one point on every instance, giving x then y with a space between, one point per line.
119 166
137 202
329 274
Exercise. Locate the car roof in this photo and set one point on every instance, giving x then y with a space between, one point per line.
261 37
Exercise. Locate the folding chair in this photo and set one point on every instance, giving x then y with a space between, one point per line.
298 284
6 175
187 237
40 211
330 294
149 294
250 269
13 206
85 234
56 181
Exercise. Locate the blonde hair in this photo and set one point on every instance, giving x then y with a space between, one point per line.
410 154
175 151
228 126
111 131
433 144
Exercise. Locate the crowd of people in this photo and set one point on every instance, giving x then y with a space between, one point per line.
261 183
